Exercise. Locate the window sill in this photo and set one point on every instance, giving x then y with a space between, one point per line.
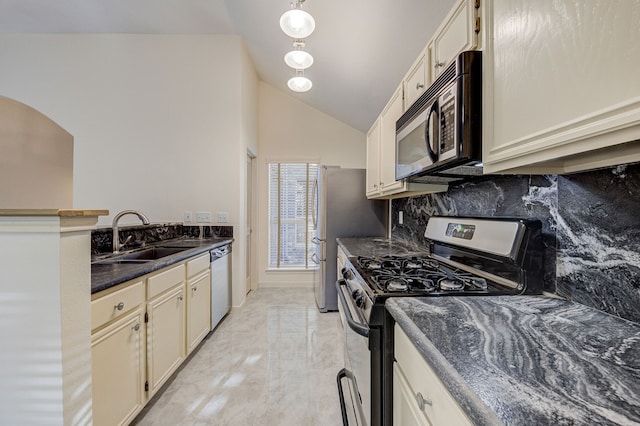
287 270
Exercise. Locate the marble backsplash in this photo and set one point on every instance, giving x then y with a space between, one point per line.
101 239
591 228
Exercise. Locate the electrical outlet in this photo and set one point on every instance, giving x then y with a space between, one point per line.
400 217
187 216
203 217
223 217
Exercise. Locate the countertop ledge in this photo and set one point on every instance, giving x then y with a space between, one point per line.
528 359
105 276
379 246
53 212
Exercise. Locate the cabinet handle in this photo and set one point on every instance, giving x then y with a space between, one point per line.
194 288
419 86
119 306
422 402
438 64
136 327
180 298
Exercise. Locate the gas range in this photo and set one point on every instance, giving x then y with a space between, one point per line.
466 257
420 276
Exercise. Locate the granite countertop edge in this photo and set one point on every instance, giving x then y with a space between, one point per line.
518 359
472 405
105 276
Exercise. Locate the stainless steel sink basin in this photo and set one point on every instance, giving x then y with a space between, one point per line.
152 253
142 256
116 261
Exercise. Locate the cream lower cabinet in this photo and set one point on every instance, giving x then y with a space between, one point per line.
419 397
166 325
561 88
118 355
198 300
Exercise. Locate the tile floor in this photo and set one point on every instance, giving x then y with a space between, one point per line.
271 362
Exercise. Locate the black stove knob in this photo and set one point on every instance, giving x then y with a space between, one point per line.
347 274
358 298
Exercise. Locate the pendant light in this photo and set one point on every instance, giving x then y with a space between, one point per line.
296 23
299 83
298 59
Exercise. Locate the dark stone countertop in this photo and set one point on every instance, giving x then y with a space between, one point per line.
379 246
104 276
528 359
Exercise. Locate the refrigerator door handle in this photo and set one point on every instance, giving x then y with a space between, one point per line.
314 204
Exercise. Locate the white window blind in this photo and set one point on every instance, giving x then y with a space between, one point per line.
290 222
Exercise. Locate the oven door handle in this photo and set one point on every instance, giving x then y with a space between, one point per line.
359 328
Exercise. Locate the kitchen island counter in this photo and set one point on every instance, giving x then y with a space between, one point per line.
107 275
528 359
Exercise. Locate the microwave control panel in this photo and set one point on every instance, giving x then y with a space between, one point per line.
447 102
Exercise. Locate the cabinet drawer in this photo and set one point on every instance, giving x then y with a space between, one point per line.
440 407
115 304
199 264
164 280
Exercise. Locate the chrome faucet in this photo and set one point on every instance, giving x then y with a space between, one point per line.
116 238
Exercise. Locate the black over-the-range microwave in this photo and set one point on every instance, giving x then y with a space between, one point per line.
439 138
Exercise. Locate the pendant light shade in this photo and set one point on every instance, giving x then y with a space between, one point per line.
298 59
299 84
297 23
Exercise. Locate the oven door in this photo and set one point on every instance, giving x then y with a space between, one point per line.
357 355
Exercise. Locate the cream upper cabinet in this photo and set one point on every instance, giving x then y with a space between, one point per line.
381 156
561 86
373 160
419 397
416 80
458 32
118 354
388 118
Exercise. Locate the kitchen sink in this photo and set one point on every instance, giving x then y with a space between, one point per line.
152 253
116 261
142 256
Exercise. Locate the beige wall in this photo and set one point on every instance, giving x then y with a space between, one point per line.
293 131
161 123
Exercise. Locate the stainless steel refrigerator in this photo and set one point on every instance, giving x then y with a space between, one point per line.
340 210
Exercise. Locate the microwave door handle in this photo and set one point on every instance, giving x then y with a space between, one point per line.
433 154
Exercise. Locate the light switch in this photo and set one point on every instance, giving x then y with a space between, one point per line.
187 216
400 217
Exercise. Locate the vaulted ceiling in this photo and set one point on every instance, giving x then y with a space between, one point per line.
362 48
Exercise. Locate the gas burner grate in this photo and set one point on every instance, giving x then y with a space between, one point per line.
418 275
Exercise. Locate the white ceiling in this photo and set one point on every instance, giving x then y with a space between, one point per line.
362 48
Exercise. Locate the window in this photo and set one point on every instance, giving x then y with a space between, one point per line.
290 222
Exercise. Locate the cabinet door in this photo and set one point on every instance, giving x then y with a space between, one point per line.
415 81
561 88
373 160
388 118
165 336
198 310
457 34
406 411
117 363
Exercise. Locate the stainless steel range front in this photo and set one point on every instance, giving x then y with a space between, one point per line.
467 256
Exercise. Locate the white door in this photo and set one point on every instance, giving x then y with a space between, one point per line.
249 220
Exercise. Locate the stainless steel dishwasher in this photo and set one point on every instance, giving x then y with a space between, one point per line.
220 283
